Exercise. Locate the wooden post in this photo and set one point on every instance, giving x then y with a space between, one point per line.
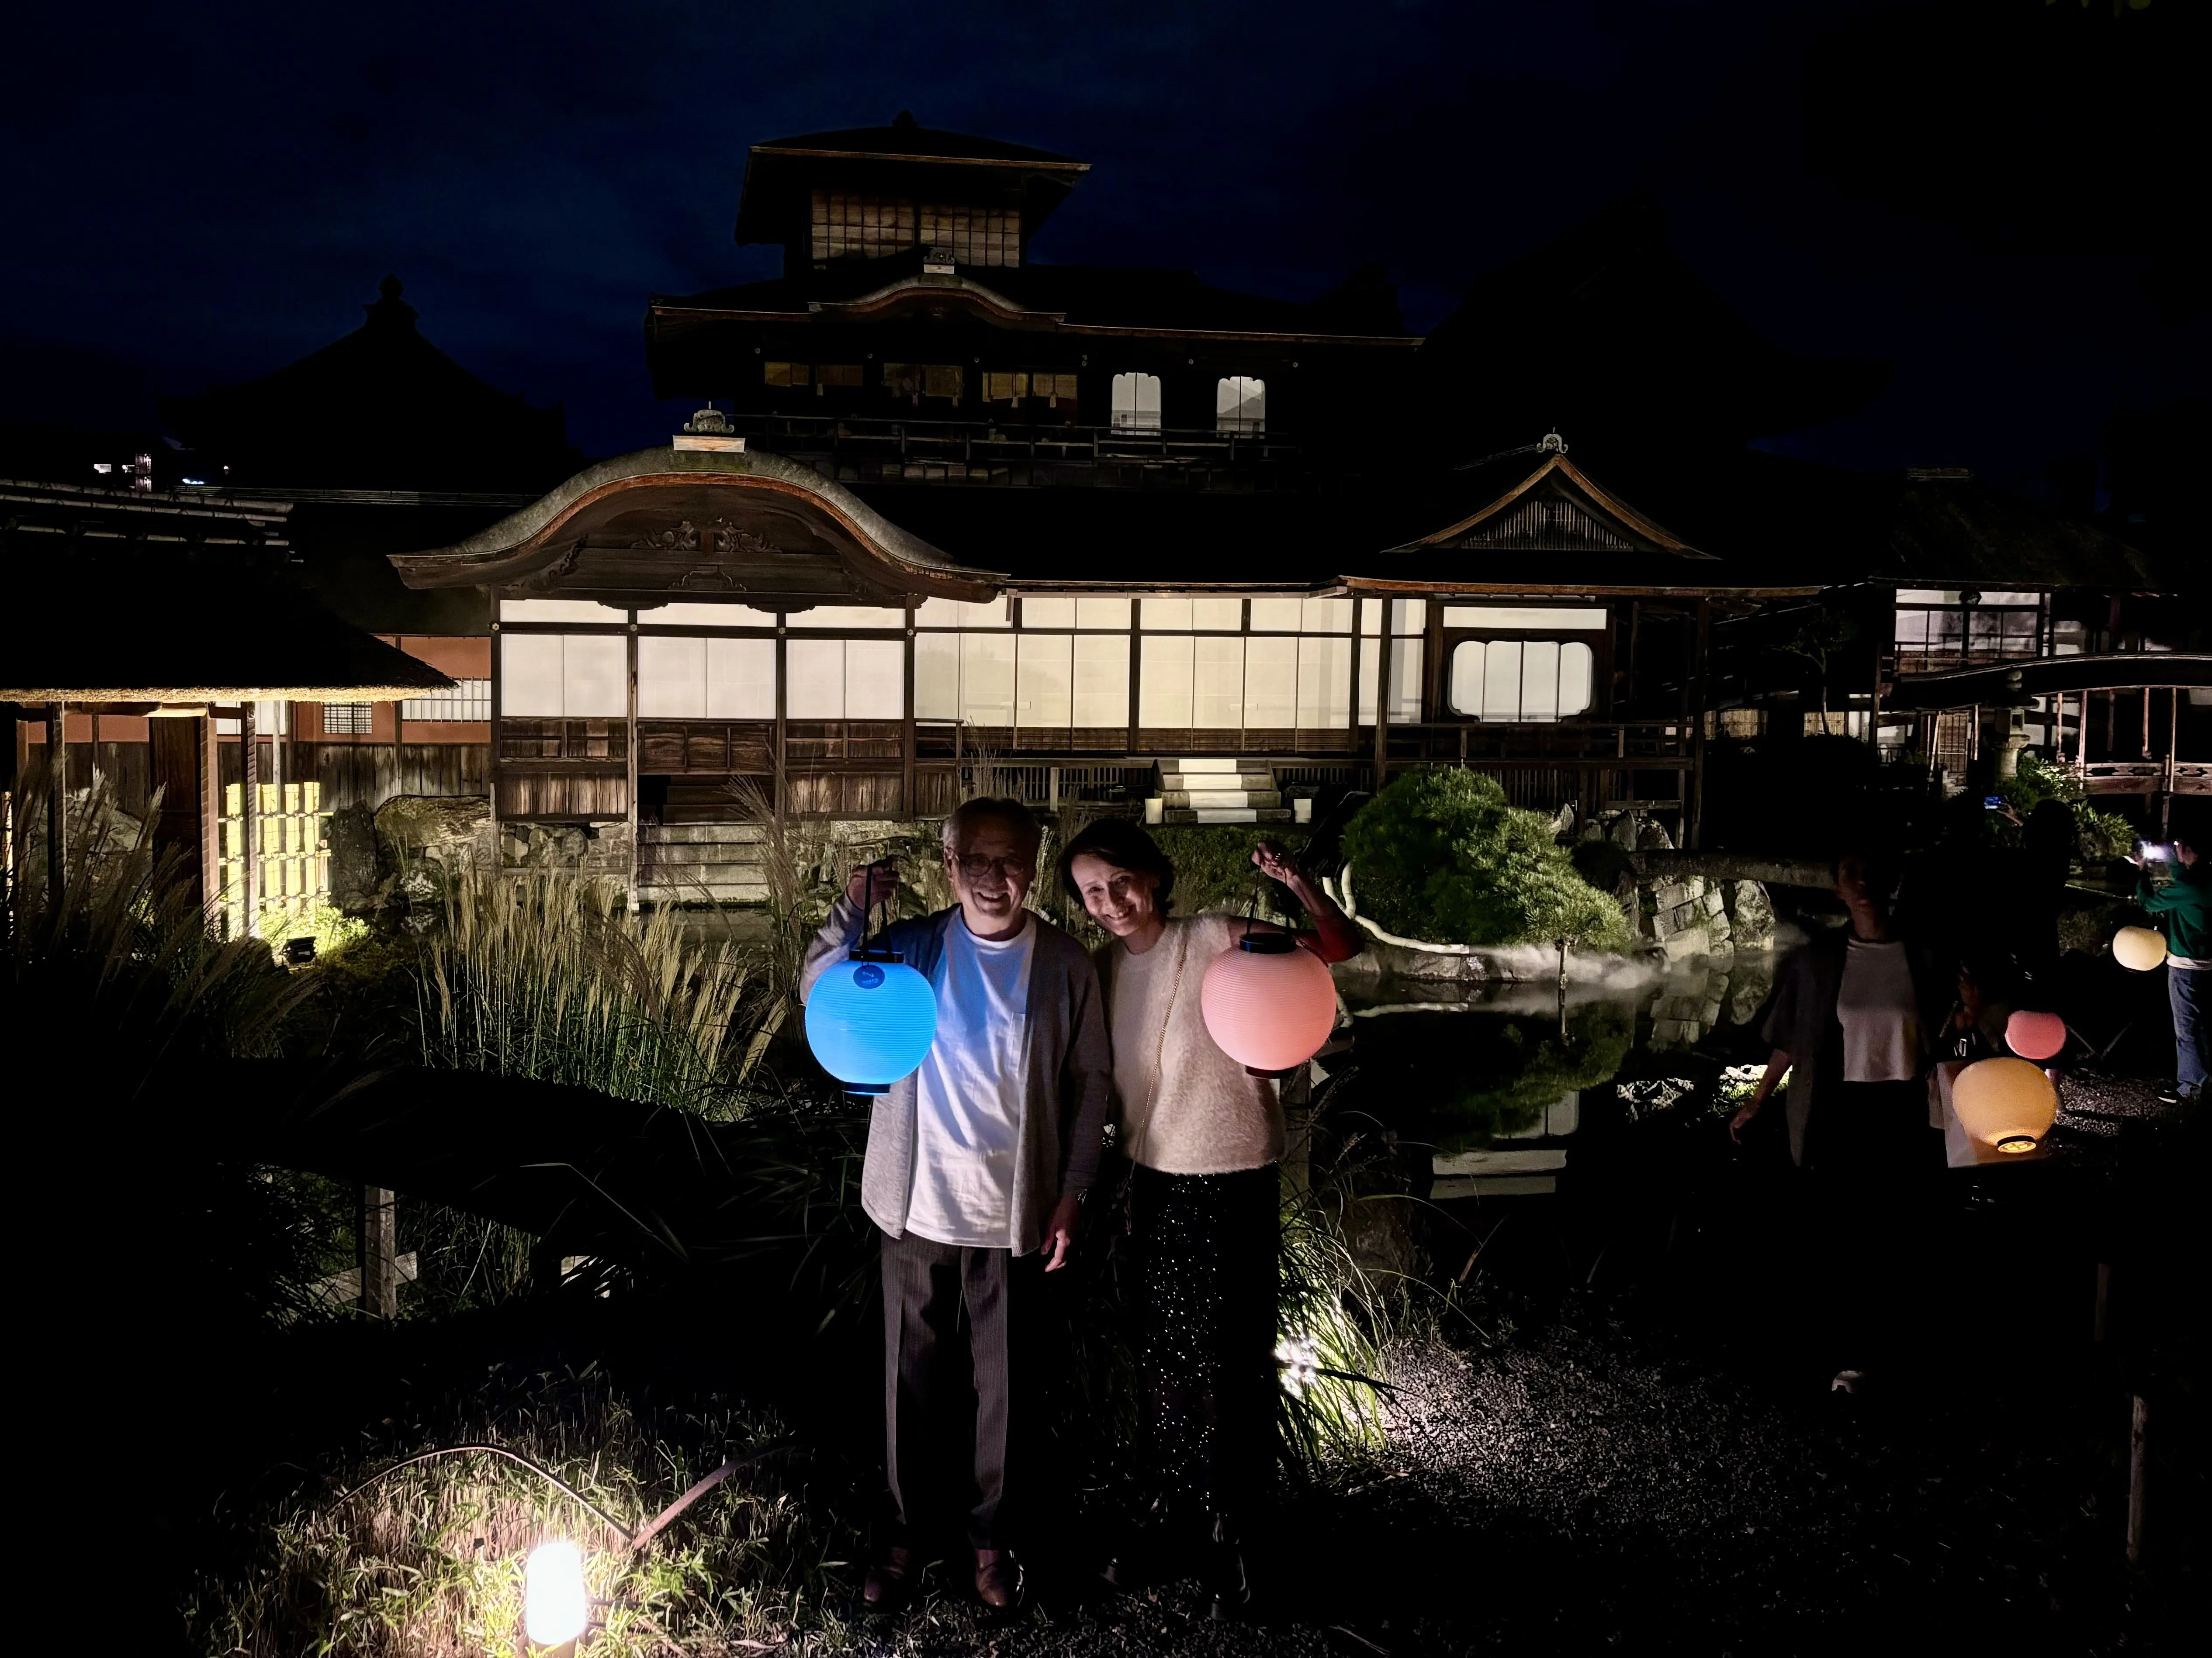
1383 653
377 1240
1693 811
249 821
907 802
211 818
2081 734
2173 740
782 776
491 755
545 1272
2138 1458
57 805
1353 745
629 750
1136 669
2104 1299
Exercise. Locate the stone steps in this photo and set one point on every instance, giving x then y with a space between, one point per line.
1221 789
702 863
673 835
1225 815
1267 797
707 853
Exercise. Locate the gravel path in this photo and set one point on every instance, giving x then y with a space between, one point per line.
1599 1481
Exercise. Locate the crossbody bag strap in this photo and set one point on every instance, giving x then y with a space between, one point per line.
1160 1045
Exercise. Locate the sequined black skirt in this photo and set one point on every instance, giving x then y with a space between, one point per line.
1206 1249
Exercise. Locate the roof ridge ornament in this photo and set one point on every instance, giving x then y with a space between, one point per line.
1551 443
709 429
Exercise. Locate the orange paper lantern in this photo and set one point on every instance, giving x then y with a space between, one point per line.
1268 1005
2035 1036
2007 1103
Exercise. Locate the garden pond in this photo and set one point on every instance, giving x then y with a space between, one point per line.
1501 1079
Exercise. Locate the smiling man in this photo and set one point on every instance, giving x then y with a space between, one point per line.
974 1168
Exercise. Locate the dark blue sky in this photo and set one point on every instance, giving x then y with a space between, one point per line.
201 194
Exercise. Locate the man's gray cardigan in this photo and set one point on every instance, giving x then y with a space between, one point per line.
1068 1072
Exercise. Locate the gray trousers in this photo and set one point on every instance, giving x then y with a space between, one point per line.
950 1346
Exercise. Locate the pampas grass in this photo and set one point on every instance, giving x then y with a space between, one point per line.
550 976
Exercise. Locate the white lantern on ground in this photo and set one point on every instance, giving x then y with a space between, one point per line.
2138 947
555 1607
2007 1103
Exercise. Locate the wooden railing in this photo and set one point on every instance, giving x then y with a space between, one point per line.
2161 776
987 449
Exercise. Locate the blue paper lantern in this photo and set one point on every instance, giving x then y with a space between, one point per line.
870 1021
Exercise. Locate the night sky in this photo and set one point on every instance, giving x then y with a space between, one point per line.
1996 197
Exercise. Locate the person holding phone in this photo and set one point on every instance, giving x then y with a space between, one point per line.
2181 905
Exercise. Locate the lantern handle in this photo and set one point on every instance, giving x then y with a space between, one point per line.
868 927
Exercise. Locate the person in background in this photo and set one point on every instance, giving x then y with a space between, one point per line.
1205 1140
2181 907
2046 859
974 1169
1857 1015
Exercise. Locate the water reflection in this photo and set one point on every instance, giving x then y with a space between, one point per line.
1495 1076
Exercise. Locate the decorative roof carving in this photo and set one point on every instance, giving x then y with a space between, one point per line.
721 537
1548 524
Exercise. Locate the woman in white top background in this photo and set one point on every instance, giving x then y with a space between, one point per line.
1857 1017
1205 1139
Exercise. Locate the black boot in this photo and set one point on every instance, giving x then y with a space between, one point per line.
1225 1577
1134 1562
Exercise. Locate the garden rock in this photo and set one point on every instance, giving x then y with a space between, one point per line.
453 831
1652 1097
1750 913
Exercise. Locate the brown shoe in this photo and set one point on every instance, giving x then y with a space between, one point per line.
998 1579
890 1582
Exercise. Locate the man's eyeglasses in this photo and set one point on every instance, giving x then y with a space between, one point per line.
975 866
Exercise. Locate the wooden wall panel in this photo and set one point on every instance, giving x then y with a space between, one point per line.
711 747
570 794
369 774
562 739
847 793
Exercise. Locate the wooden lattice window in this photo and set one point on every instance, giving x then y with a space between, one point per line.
852 225
973 235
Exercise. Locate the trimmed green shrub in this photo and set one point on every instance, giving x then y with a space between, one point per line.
2099 837
1440 855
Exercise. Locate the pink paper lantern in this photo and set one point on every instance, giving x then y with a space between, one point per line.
1268 1005
2035 1036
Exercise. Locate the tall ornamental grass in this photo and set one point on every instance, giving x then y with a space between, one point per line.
548 976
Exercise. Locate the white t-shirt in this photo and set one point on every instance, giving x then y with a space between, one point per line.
1212 1117
1880 1015
969 1091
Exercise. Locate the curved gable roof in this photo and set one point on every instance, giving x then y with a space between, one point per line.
543 535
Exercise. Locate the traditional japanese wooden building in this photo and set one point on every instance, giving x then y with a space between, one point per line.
1113 535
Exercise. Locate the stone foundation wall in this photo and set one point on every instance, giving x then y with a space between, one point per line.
1694 916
